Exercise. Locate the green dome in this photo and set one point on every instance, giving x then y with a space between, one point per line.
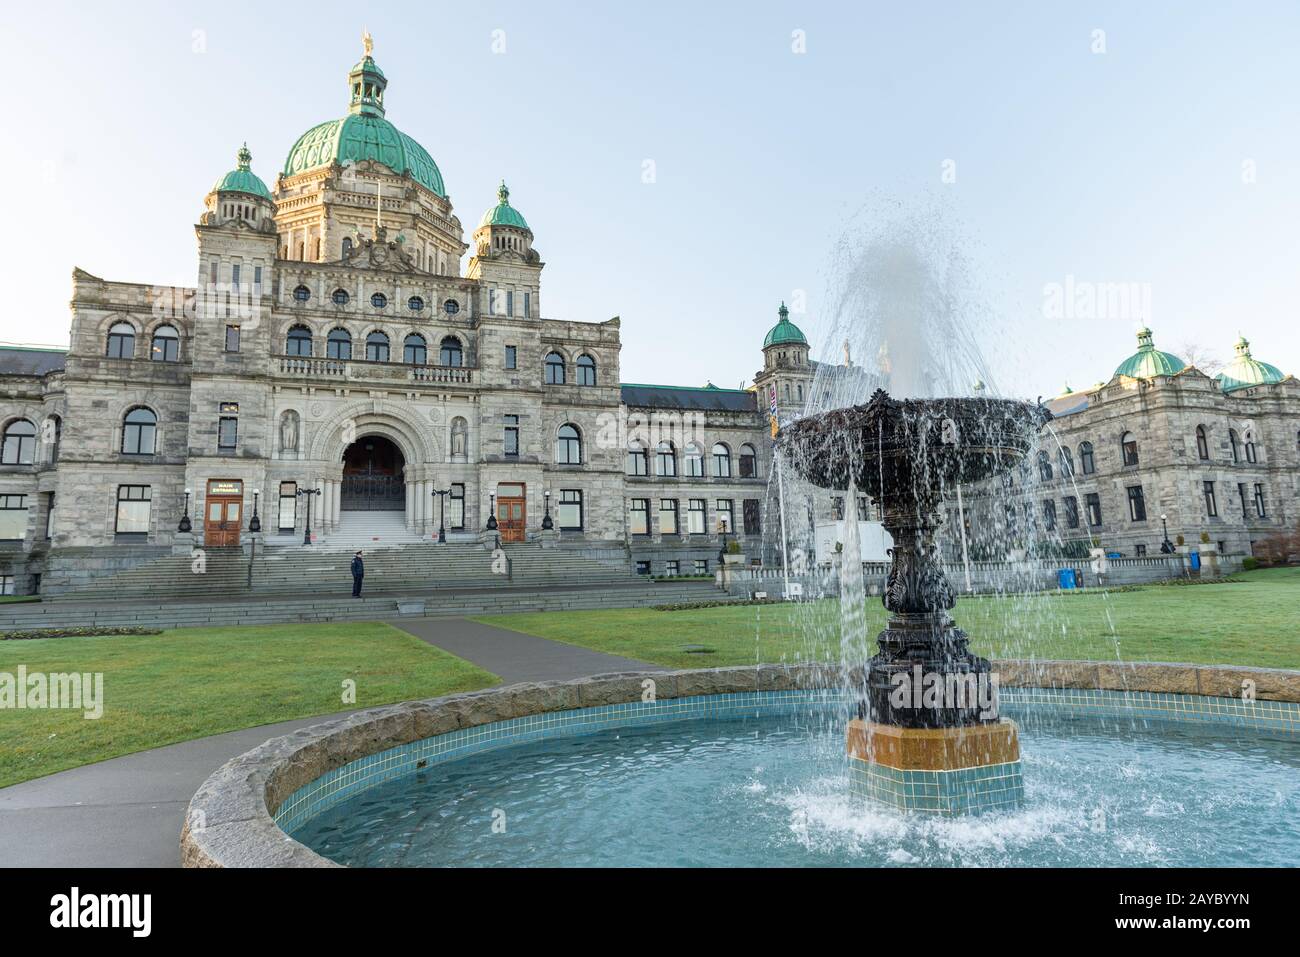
1244 371
242 179
784 331
364 134
1149 361
503 214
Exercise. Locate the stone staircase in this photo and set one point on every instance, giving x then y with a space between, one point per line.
364 530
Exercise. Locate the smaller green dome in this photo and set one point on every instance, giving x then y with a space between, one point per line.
784 331
1149 361
1244 371
503 214
242 179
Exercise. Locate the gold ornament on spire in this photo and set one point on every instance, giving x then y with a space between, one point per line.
367 42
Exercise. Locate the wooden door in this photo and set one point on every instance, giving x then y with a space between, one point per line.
512 514
225 510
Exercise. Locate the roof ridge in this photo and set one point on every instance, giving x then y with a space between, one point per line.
691 388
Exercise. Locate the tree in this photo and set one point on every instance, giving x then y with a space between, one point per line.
1197 355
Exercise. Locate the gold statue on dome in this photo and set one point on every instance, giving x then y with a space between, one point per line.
367 42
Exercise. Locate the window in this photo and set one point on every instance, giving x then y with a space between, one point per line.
568 445
301 293
414 351
166 345
1202 444
1137 506
1071 512
1085 458
56 426
298 342
456 505
227 433
864 514
451 307
232 338
340 297
449 352
637 459
1140 551
133 510
459 438
1259 500
1066 461
568 512
721 461
234 277
695 517
586 370
1129 446
694 461
377 347
752 517
1211 506
139 430
19 443
339 344
643 567
668 516
837 508
528 305
379 300
748 462
510 436
639 523
1044 467
700 566
672 567
1092 501
510 302
512 357
13 518
1236 448
665 460
287 518
415 304
1241 494
726 517
49 516
554 368
1049 515
1250 448
121 341
347 246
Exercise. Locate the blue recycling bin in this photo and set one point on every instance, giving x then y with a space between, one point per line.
1195 561
1067 578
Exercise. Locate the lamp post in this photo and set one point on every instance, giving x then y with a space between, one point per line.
722 538
254 526
1166 546
186 525
307 493
547 524
255 523
492 513
442 513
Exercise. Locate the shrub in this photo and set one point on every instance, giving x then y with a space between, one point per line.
1249 564
87 632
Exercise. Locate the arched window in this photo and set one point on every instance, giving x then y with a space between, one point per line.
298 342
1236 445
449 353
379 300
121 341
1129 446
459 438
340 297
638 461
138 431
694 461
568 445
1066 461
347 247
56 434
1044 467
1086 460
1250 447
166 345
377 347
339 344
301 293
554 368
748 462
721 461
666 460
586 370
414 351
19 443
1202 443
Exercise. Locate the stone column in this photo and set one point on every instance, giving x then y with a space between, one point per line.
410 506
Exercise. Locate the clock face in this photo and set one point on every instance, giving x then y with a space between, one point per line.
451 307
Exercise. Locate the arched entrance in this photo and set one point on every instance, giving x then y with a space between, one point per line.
373 479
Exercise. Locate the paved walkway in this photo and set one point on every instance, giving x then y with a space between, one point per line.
128 811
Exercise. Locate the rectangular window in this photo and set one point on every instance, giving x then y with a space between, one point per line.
212 272
232 338
234 277
643 568
753 523
1093 504
1259 500
7 583
227 433
257 279
701 566
13 518
1049 515
528 306
639 523
511 437
288 516
837 508
1211 505
456 506
1140 551
1137 506
569 511
1241 494
512 357
672 567
864 514
133 509
695 516
49 515
1071 512
668 516
726 520
510 302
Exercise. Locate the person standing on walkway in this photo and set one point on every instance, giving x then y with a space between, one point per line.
358 573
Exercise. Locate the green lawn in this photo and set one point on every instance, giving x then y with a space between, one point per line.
187 683
1253 622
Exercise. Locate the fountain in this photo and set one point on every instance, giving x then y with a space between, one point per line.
927 736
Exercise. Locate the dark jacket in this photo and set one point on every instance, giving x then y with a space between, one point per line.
358 567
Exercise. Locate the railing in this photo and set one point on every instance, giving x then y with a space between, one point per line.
316 367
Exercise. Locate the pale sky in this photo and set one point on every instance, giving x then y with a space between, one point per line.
1162 151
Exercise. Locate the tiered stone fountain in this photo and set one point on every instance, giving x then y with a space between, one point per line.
928 736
